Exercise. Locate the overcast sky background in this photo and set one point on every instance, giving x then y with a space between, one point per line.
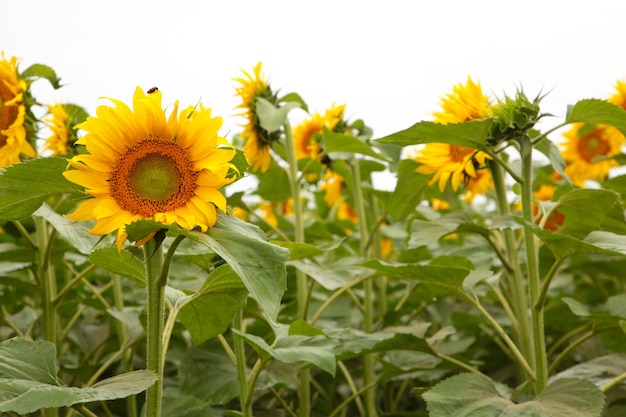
388 61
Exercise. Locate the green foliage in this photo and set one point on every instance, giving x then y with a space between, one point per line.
29 380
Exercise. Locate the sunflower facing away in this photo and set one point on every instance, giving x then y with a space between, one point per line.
57 142
258 140
619 97
452 163
588 151
143 165
13 141
305 134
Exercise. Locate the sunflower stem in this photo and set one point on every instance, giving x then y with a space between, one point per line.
155 311
368 288
47 281
242 377
516 278
304 390
534 283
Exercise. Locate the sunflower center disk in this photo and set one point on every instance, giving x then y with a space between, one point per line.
592 146
8 114
154 176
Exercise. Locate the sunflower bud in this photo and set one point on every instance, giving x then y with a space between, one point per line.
513 118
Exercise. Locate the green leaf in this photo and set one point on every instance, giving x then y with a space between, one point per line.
21 195
28 380
259 264
330 275
269 188
338 142
351 343
469 134
469 395
450 278
211 309
74 233
597 111
585 209
271 117
42 71
121 263
75 114
424 233
294 97
299 250
139 229
600 370
408 191
552 152
313 350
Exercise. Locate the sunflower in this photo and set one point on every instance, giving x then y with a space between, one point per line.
305 135
619 97
588 150
333 183
454 163
141 164
269 209
57 143
12 113
258 140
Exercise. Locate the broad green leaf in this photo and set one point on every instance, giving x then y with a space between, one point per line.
408 191
585 209
469 134
331 275
302 328
351 343
470 395
552 152
273 184
424 233
21 195
450 278
121 263
211 309
42 71
139 229
299 250
294 97
313 350
600 370
259 264
75 114
617 305
179 403
28 380
563 246
597 111
271 117
577 307
338 142
74 233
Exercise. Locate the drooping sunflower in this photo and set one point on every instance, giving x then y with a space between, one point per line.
142 164
332 185
587 151
305 135
57 121
13 141
453 163
258 140
619 97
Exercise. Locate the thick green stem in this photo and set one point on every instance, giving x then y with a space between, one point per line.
517 285
240 362
304 390
532 262
368 289
47 282
155 311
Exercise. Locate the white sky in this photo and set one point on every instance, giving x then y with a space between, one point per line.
388 61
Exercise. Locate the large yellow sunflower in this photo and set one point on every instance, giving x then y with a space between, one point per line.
258 140
304 135
619 97
143 165
57 142
13 141
453 163
588 151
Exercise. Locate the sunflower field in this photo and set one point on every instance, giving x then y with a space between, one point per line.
152 266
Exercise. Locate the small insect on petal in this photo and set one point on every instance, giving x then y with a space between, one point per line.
152 90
